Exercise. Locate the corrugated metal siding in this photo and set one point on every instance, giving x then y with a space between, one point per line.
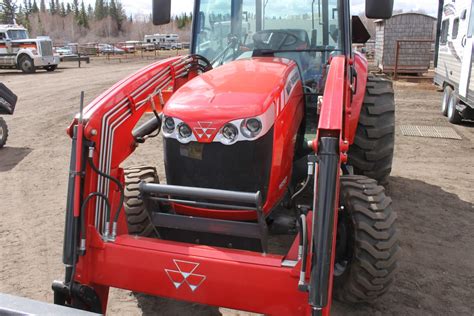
379 29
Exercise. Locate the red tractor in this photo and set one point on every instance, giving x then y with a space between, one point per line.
272 131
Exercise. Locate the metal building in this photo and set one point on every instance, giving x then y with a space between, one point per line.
416 34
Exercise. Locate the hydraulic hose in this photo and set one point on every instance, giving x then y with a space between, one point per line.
119 185
83 208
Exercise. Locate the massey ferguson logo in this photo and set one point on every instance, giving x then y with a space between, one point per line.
184 273
204 129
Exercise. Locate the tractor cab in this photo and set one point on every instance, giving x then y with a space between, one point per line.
306 31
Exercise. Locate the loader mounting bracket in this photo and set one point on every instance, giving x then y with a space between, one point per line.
77 296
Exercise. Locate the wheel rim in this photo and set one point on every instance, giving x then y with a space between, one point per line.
451 106
27 65
444 104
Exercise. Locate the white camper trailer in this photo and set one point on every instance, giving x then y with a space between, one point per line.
454 58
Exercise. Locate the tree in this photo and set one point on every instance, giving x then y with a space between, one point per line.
34 7
62 10
82 20
8 9
116 13
90 12
42 6
75 8
52 7
68 8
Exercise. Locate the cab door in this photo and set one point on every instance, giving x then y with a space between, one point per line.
466 67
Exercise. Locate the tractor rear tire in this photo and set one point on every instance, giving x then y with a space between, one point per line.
3 132
371 154
367 241
138 218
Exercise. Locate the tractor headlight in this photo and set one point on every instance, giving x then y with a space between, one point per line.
229 133
169 125
184 130
251 127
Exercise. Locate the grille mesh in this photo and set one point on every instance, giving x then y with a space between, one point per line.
46 48
429 131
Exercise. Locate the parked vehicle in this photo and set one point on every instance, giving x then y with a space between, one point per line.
64 51
7 107
455 59
164 41
108 49
19 51
280 133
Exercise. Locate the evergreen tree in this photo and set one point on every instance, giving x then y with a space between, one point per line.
34 7
116 13
57 6
52 7
83 21
75 8
42 6
99 10
90 12
68 8
62 10
8 10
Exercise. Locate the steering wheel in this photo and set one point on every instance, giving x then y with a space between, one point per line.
268 39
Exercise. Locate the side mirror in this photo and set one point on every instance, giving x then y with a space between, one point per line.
379 9
161 12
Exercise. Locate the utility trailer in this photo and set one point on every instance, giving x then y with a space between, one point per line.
454 59
272 130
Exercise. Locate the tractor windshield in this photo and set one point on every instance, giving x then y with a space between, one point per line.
306 31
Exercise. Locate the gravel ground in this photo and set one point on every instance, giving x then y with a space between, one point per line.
431 187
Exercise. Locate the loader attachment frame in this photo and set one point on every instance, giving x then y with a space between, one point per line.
99 253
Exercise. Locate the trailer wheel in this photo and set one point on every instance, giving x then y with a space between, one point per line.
371 154
138 218
453 114
367 241
26 64
448 90
3 132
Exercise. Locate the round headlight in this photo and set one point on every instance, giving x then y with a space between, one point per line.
168 127
184 130
230 133
251 127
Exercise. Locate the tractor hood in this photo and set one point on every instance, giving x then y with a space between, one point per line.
241 89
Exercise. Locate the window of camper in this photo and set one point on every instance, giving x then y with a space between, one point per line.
444 32
455 28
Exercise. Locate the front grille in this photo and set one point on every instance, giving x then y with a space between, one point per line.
46 48
244 166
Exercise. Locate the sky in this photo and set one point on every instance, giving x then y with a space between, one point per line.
143 7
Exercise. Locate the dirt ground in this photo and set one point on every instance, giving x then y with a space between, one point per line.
432 187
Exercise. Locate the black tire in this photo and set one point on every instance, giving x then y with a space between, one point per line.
3 132
50 68
26 64
453 115
138 218
448 90
367 244
371 154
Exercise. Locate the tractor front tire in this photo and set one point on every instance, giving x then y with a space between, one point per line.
371 154
138 218
367 241
3 132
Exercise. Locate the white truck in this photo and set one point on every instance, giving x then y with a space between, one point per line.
19 51
454 59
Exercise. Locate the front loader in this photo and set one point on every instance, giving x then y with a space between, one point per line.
275 140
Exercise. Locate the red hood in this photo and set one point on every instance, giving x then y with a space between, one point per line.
240 89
